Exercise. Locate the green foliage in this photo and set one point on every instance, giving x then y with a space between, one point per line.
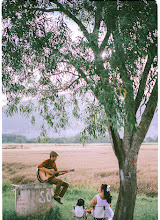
6 185
47 62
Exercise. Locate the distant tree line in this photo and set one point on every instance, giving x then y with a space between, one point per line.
13 138
151 140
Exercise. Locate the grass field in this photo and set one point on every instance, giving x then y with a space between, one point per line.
94 164
145 208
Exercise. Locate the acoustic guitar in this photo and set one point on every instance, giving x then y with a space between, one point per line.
43 176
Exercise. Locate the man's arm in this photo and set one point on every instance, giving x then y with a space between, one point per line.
46 170
63 172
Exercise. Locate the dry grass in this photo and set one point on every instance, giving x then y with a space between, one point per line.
94 164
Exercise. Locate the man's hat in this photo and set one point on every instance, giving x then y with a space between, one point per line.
53 154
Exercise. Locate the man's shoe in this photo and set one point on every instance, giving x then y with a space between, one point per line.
58 200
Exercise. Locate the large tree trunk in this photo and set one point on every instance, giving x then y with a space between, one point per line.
127 158
128 189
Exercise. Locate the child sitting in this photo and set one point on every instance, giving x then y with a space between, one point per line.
79 209
104 198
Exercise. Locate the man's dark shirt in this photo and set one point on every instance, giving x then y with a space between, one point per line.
48 164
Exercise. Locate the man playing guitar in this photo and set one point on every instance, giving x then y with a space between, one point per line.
50 163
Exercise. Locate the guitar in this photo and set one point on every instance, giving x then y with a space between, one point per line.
43 176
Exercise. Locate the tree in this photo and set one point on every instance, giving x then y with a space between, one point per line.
113 63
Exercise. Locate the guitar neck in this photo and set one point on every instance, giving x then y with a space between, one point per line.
63 171
57 172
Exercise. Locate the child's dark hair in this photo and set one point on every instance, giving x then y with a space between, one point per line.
107 194
80 202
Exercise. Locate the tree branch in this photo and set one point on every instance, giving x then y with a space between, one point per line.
70 15
146 117
42 9
117 144
98 16
68 86
110 25
144 78
105 41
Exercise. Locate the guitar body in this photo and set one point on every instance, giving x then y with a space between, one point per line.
44 177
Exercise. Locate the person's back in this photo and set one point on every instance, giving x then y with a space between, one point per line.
79 209
103 199
103 202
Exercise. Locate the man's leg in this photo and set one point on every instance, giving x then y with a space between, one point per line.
58 183
65 187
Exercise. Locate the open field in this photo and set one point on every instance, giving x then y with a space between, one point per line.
93 165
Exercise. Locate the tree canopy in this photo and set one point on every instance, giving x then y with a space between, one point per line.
110 59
